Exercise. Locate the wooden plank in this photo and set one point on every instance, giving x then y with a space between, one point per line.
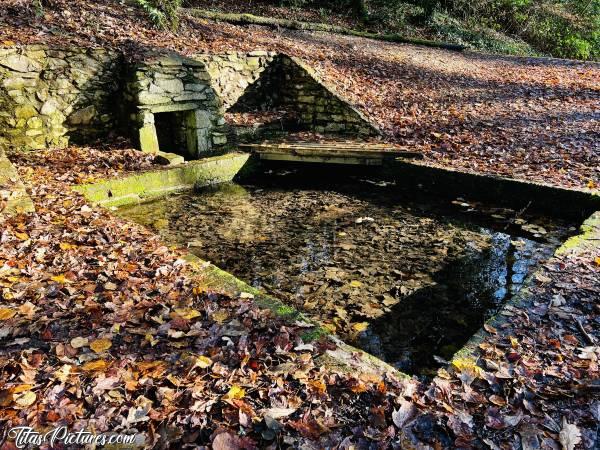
331 145
331 149
364 161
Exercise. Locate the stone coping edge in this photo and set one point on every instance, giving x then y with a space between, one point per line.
588 238
138 187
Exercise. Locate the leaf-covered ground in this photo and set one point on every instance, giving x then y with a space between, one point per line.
526 118
102 326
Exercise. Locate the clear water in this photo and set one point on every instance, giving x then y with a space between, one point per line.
408 278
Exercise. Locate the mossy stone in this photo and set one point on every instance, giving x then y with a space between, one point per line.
25 112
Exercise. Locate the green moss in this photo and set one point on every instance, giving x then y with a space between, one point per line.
314 335
589 231
285 310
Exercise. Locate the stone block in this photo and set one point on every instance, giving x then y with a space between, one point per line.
83 116
172 85
13 83
146 98
219 139
25 112
35 123
195 87
172 107
306 99
168 159
334 127
148 139
190 97
253 62
20 63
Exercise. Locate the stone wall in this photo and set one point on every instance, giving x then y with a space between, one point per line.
319 108
49 96
231 73
180 87
263 81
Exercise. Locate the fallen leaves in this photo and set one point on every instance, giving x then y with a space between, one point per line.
100 345
569 435
404 414
26 399
203 362
406 90
235 392
94 366
7 313
79 342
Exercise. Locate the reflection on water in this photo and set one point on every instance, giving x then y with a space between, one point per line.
393 276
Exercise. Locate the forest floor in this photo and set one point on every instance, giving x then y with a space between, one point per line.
103 328
528 118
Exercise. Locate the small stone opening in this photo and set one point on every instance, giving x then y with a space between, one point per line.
171 133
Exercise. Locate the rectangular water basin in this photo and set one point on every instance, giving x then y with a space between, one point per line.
406 276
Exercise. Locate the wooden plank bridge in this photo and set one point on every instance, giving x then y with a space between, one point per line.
338 152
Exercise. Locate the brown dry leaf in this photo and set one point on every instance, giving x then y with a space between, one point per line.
497 400
92 366
79 342
569 435
28 309
7 313
402 416
100 345
26 399
203 362
22 388
187 313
